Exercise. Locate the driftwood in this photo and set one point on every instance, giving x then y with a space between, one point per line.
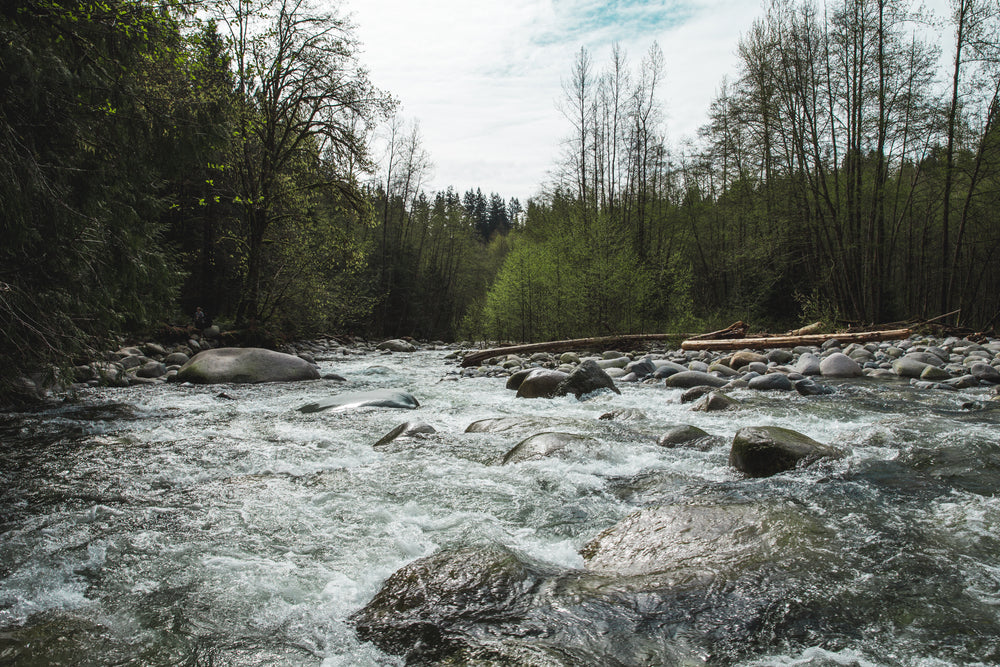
603 342
791 341
734 330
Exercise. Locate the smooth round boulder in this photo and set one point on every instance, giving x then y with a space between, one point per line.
151 369
744 357
377 398
176 359
245 365
541 383
762 451
839 365
688 379
808 364
908 367
985 372
771 382
516 378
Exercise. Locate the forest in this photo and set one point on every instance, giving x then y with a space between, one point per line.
235 155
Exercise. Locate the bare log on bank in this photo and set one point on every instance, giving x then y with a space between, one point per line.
602 342
765 342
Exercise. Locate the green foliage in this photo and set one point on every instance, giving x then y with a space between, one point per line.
81 122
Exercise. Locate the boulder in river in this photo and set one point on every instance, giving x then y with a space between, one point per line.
587 377
542 445
541 383
685 435
715 401
245 365
688 379
377 398
405 430
397 345
762 451
839 365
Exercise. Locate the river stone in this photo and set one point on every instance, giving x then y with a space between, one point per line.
762 451
908 367
623 414
985 372
839 365
405 430
780 356
683 435
696 541
501 424
934 374
245 365
541 446
586 378
641 367
666 368
569 358
771 382
540 383
744 357
925 357
688 379
808 364
694 393
176 359
515 380
397 345
722 369
715 401
152 369
432 608
377 398
809 387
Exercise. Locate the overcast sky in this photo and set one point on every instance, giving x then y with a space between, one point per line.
483 77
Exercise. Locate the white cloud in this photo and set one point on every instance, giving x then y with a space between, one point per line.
483 78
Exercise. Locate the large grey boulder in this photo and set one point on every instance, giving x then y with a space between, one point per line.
541 383
908 367
771 382
762 451
245 365
688 379
377 398
685 435
839 365
585 378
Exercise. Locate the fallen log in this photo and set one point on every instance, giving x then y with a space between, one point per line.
765 342
603 342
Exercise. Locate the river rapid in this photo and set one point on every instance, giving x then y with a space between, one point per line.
218 525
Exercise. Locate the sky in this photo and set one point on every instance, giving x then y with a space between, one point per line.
484 78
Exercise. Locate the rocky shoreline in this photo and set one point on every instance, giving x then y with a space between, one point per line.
929 363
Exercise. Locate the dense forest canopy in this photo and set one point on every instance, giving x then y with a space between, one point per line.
235 155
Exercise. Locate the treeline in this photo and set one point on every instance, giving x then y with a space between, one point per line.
840 177
158 156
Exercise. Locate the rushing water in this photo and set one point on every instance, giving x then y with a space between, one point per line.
172 525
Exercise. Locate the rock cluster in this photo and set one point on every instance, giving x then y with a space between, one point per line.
947 364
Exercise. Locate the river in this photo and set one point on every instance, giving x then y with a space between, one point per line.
218 525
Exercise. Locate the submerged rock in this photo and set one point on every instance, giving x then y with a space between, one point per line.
685 435
762 451
542 445
378 398
405 430
245 365
501 424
